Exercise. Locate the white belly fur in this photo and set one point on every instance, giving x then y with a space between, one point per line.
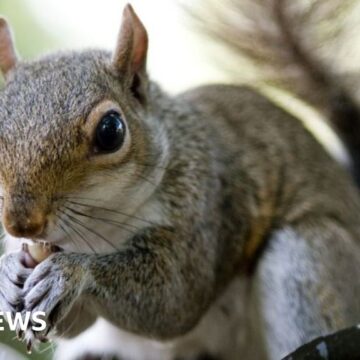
226 330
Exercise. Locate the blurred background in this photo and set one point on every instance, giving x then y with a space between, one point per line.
175 58
180 57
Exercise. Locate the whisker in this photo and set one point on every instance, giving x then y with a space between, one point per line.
113 222
77 221
62 225
83 237
77 232
147 180
107 209
107 221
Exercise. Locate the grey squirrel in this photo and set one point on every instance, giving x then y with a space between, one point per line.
211 222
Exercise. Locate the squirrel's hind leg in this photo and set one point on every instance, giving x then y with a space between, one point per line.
307 284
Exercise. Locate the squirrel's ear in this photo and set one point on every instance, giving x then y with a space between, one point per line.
8 57
129 58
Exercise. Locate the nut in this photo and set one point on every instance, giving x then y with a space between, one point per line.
36 253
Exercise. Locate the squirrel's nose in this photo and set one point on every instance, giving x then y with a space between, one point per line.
28 225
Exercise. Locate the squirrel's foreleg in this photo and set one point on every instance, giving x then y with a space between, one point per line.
158 287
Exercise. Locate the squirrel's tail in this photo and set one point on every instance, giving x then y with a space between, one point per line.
280 37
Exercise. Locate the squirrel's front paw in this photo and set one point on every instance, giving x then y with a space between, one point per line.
51 290
13 275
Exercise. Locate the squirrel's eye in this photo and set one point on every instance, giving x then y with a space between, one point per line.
110 132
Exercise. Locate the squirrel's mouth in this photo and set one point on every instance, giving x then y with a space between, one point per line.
41 244
37 252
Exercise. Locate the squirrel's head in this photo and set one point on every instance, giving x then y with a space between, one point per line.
74 135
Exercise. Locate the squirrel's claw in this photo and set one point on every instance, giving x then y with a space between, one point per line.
29 346
19 334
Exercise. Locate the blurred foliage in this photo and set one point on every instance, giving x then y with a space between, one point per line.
31 40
